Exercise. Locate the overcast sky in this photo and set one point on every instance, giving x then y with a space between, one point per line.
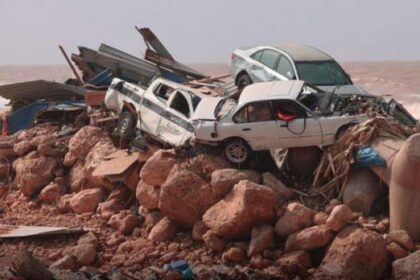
208 31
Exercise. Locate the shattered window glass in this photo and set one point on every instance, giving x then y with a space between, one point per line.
322 73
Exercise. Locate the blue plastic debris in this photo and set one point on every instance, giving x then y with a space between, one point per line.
367 156
187 274
179 265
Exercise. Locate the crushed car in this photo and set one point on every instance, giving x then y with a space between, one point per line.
273 115
164 110
291 62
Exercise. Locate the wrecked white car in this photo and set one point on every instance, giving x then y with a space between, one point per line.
272 115
164 110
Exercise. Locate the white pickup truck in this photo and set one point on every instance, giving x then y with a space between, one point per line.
164 110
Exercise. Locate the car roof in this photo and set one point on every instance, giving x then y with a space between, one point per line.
289 89
300 52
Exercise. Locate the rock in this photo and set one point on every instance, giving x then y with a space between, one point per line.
205 164
309 238
356 254
152 218
407 268
164 230
213 241
81 142
52 192
296 217
76 178
340 216
283 192
396 250
53 149
259 262
88 238
23 147
402 238
262 237
86 201
320 218
65 263
109 207
156 169
234 254
63 204
223 180
361 191
199 229
148 195
299 258
100 150
246 206
85 254
128 223
185 197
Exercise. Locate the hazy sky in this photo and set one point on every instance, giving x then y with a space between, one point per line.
208 31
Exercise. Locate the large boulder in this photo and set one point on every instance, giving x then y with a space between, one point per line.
309 238
81 142
100 150
32 174
296 217
246 206
339 217
52 192
223 180
356 254
23 147
164 230
86 201
407 268
184 197
262 237
156 169
283 192
148 195
205 164
85 254
76 178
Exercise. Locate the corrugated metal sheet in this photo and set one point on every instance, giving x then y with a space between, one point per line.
151 40
40 89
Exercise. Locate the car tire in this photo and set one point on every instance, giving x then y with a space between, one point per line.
237 152
126 124
243 81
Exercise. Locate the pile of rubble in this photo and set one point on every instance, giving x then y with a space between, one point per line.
179 217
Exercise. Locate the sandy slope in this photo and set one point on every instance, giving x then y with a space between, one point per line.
400 79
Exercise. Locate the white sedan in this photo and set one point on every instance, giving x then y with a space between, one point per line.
270 115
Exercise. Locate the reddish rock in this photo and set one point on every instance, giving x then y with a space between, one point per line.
199 229
283 192
65 263
85 254
128 223
407 268
259 262
100 150
402 238
86 201
234 254
356 254
262 237
296 217
52 192
156 169
81 142
76 178
164 230
23 147
185 197
214 242
109 207
33 174
309 238
223 180
320 218
246 206
299 258
152 218
88 238
205 164
148 195
396 250
63 205
340 216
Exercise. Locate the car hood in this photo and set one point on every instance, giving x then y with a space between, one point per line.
345 90
206 109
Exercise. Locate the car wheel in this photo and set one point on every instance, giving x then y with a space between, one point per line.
243 81
126 124
237 152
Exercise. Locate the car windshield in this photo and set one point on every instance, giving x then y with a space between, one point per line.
194 99
224 107
322 73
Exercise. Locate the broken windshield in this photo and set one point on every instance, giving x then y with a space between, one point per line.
322 73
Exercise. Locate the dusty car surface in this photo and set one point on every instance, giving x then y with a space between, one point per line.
273 115
164 110
290 62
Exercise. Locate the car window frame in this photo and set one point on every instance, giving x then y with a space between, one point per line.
173 96
291 66
308 113
275 62
253 102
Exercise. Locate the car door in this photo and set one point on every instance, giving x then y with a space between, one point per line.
263 68
285 68
175 126
256 123
296 127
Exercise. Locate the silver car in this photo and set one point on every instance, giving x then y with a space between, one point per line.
291 62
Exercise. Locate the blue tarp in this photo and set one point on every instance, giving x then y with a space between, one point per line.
367 156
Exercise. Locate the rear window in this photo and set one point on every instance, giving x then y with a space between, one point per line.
269 58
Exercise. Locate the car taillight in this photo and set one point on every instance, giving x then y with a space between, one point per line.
233 56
